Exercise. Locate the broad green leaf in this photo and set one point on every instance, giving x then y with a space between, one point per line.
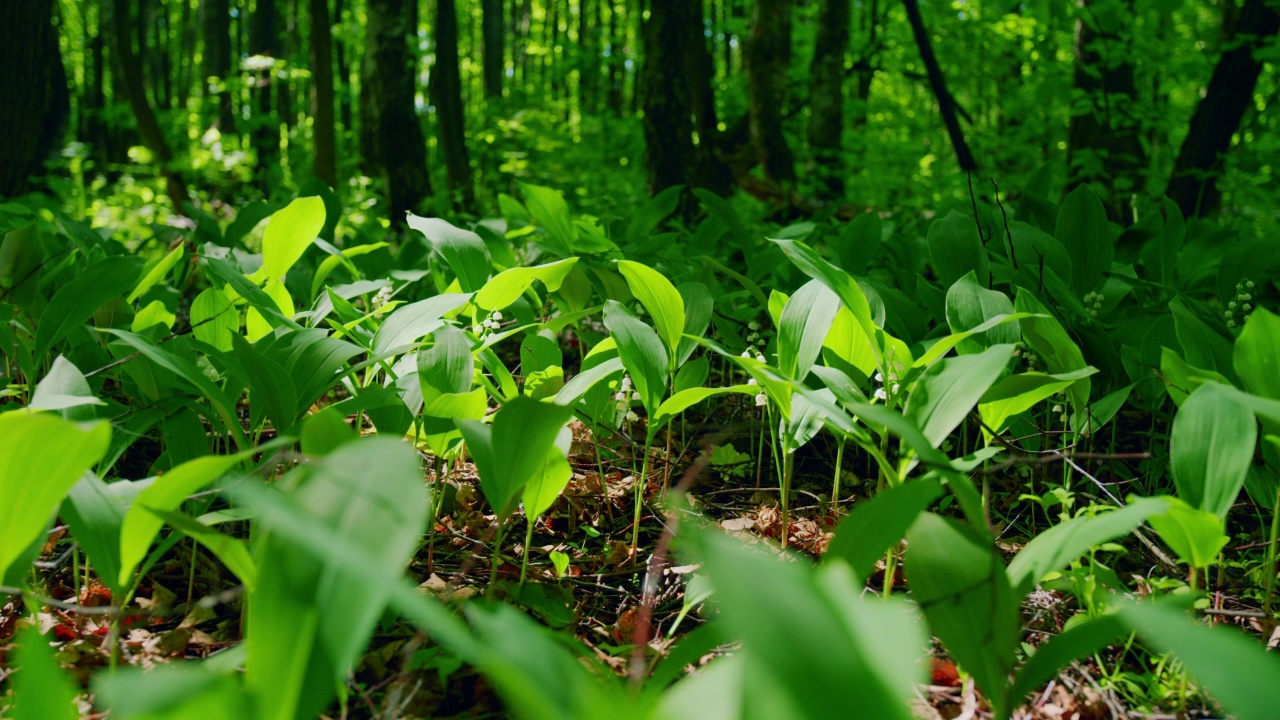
155 313
204 690
873 526
65 390
1181 378
860 238
94 515
1101 412
642 353
652 214
290 231
1256 357
410 323
692 374
271 391
77 300
1203 345
214 319
157 272
41 690
955 249
258 324
1017 393
240 287
511 452
314 361
232 552
42 457
1031 244
1065 542
1197 536
546 485
324 432
661 299
1211 447
1078 641
841 282
1083 231
698 306
21 257
811 641
549 210
1046 336
803 328
969 305
507 286
573 390
447 366
439 431
331 263
462 249
959 581
685 399
1235 670
946 393
166 493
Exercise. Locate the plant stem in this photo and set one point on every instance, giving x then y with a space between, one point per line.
495 558
835 484
1271 557
641 480
528 540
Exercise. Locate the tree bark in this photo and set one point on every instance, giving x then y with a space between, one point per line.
217 59
263 40
387 103
1194 185
826 93
1103 142
322 116
665 82
495 64
446 86
34 100
946 103
713 173
344 72
767 57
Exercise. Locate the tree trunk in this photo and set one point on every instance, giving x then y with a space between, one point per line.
217 59
1103 142
946 103
264 40
614 70
767 57
1194 185
494 58
446 86
130 70
826 93
387 102
344 72
713 173
665 82
34 100
322 120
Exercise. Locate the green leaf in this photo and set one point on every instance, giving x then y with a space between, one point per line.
860 238
802 329
21 257
1079 641
77 300
94 514
957 578
642 353
946 393
1083 231
325 431
271 390
685 399
507 286
41 458
157 272
653 213
462 249
840 282
331 263
290 231
1046 336
230 551
1204 345
41 690
1181 378
447 366
542 489
1195 535
1256 356
873 526
698 306
970 305
549 210
573 390
410 323
692 374
1063 543
1233 668
661 299
1017 393
1211 447
511 452
66 390
955 249
812 642
166 493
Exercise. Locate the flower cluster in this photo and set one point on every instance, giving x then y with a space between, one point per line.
382 297
624 396
1019 349
754 338
207 369
491 323
1241 306
886 389
1093 303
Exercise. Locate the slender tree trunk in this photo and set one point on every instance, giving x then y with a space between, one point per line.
322 125
494 58
1194 185
264 40
864 66
34 102
713 173
130 71
767 57
946 103
344 72
217 59
826 93
614 76
665 82
387 103
96 131
1103 142
446 86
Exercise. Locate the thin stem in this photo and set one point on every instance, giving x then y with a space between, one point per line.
528 540
1271 557
835 483
641 480
495 558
